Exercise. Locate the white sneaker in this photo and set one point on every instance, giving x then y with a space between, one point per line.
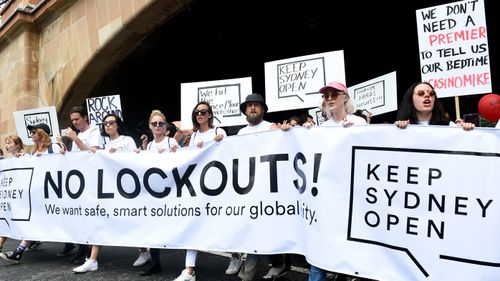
234 266
275 272
143 258
185 276
89 265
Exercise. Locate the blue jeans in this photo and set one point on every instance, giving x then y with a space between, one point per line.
317 274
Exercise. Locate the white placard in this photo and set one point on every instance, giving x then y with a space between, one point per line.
99 107
294 83
225 97
378 95
453 45
35 116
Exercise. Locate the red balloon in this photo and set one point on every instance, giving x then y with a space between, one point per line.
489 107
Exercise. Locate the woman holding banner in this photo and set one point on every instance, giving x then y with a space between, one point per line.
113 128
161 143
421 106
40 135
204 131
13 146
339 110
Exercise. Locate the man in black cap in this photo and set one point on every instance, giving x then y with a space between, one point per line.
255 108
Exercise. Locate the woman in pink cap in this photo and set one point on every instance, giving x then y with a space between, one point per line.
339 111
338 106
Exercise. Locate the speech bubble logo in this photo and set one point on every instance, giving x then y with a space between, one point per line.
419 201
15 194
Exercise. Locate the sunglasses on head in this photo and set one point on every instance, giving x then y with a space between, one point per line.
201 112
331 95
157 124
109 123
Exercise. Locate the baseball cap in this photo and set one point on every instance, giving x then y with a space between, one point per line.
42 126
334 85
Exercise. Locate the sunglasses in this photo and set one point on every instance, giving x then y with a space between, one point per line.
331 95
32 132
422 93
157 124
200 112
109 123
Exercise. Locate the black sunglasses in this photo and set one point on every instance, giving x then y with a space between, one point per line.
110 123
157 124
331 95
201 112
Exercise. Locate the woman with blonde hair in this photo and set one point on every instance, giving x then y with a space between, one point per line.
14 145
161 143
160 129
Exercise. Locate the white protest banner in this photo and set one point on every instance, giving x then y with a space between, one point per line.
453 46
225 97
373 201
99 107
46 115
294 83
378 95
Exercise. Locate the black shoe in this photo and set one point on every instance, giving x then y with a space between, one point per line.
12 256
152 269
81 255
33 246
69 249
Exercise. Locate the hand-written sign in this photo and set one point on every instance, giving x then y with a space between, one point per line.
370 96
99 107
224 99
299 76
454 48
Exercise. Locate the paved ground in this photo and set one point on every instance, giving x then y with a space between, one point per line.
116 263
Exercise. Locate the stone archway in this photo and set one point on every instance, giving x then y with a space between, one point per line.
120 44
54 52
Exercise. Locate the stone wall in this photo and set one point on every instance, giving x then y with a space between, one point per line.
54 52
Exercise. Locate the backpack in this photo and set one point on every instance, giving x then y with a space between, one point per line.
49 148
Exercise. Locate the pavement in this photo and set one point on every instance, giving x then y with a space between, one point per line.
115 263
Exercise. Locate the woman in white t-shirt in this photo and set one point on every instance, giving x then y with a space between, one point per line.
204 131
161 143
114 128
420 105
338 106
203 125
14 147
40 135
339 111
